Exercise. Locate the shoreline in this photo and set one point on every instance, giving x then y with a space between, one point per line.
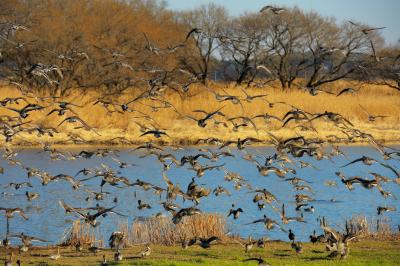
179 143
134 145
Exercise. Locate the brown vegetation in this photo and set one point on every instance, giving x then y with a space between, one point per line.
152 230
162 231
378 100
374 228
81 234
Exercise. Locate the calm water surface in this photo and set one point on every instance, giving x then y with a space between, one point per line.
48 220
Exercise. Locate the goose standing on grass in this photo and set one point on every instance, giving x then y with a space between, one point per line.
56 256
146 252
247 245
298 247
104 262
118 256
261 243
8 262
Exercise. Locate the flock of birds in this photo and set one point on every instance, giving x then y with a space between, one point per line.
287 157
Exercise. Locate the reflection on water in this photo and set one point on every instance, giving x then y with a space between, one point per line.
48 220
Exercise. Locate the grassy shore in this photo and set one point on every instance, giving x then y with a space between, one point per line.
276 253
123 128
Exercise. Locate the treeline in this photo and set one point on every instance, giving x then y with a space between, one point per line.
111 45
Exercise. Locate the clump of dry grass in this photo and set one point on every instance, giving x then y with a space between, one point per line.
374 228
377 100
81 233
162 231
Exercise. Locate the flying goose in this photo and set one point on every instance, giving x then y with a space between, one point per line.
27 240
365 30
193 31
178 216
155 132
234 212
208 115
364 159
381 210
241 143
17 186
221 190
116 240
268 223
248 245
31 195
346 90
24 112
275 10
206 242
75 119
372 118
143 205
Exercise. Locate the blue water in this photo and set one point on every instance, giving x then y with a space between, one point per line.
48 220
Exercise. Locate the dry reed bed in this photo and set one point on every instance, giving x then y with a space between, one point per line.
378 100
377 228
83 234
161 230
152 230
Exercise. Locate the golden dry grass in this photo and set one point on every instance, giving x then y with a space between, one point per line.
378 100
162 231
81 233
152 230
373 228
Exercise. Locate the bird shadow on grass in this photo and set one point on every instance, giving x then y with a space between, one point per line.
316 258
41 263
281 255
133 257
38 255
317 251
207 255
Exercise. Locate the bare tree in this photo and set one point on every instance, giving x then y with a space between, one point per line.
285 40
207 23
336 52
243 45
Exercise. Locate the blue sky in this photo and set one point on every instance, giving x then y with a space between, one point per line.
374 13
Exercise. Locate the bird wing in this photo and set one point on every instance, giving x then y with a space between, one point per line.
104 211
194 30
342 91
227 143
356 160
212 239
